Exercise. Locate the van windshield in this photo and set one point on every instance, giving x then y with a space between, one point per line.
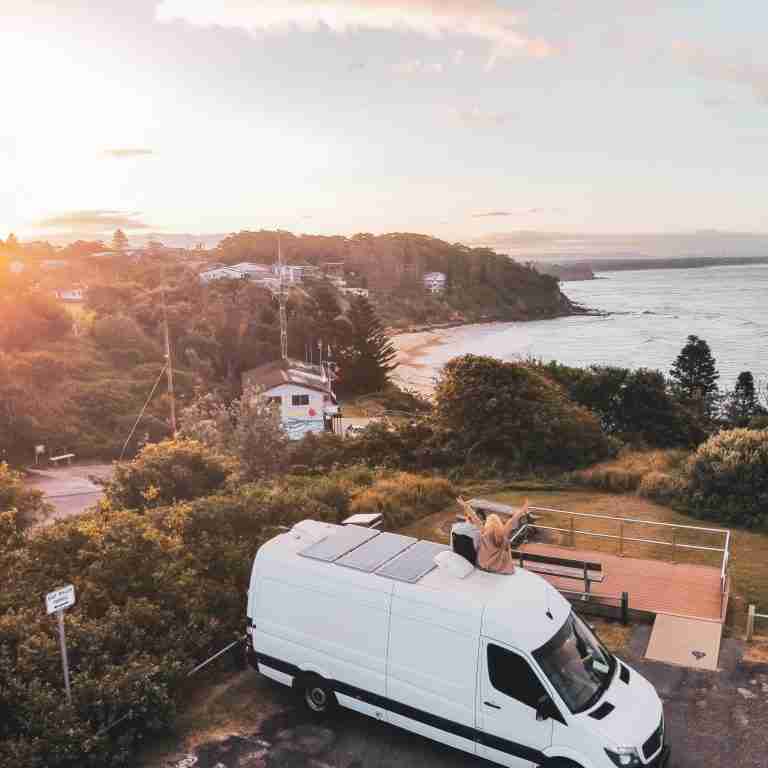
577 664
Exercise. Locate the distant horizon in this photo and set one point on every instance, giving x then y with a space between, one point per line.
520 244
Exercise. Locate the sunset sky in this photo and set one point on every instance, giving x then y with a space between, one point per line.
450 117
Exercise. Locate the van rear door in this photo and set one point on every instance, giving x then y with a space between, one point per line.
509 691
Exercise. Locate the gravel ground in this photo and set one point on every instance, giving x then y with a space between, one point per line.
714 720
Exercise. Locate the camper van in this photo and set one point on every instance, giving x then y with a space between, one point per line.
410 633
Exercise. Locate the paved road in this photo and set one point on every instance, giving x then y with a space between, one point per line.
69 489
714 720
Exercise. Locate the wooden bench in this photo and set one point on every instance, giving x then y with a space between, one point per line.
562 567
64 457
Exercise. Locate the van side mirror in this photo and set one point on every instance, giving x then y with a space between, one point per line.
545 709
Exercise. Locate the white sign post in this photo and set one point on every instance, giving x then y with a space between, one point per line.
57 602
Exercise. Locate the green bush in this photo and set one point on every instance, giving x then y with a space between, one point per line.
163 473
728 478
27 504
514 411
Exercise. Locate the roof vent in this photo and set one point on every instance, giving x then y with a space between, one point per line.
458 566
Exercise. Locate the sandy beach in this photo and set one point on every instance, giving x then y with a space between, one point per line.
411 348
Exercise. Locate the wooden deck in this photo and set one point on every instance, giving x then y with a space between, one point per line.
654 586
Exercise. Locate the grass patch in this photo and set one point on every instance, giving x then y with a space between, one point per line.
615 636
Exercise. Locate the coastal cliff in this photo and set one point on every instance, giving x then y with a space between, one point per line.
476 284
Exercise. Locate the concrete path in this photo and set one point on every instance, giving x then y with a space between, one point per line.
714 720
69 489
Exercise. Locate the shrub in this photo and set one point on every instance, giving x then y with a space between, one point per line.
404 498
728 477
515 411
629 469
166 472
26 503
663 487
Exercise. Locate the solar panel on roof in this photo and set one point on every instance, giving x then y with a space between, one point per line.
338 544
375 552
413 563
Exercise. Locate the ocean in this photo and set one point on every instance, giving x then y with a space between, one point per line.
649 315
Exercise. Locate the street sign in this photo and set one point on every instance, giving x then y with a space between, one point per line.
59 599
57 602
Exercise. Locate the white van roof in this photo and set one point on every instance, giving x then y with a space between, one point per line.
521 609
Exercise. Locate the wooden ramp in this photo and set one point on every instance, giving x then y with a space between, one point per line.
654 586
685 642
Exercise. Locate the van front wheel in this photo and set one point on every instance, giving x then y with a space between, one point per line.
318 696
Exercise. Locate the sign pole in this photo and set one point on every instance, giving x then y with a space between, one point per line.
64 659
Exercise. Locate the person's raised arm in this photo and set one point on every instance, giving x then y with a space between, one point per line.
514 520
469 514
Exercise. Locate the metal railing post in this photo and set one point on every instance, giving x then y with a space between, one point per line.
625 608
586 579
621 539
750 622
573 536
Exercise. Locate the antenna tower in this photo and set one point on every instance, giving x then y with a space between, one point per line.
282 301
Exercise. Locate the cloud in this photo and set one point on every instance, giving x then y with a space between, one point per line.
476 116
128 152
96 220
488 21
738 70
521 212
418 67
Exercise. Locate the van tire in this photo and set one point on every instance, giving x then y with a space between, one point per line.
560 762
317 695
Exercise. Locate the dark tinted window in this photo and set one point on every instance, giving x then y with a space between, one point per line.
300 400
512 675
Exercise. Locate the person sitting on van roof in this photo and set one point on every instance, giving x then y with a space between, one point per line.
494 552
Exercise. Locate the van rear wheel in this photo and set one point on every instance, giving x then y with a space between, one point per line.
318 696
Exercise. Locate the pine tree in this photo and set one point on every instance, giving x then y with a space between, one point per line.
119 241
694 376
366 356
742 403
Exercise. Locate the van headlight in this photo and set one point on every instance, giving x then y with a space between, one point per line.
624 756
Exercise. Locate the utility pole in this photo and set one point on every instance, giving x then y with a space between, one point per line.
169 365
282 301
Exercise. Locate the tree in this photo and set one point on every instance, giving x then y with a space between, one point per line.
119 241
515 412
694 377
249 428
365 357
742 403
12 243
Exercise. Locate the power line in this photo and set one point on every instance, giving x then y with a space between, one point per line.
136 423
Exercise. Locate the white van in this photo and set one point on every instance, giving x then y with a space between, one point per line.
408 632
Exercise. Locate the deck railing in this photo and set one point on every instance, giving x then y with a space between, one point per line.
676 530
752 617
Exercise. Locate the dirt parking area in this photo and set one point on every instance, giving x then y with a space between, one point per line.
714 720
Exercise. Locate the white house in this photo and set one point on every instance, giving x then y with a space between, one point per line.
220 273
354 291
252 271
302 391
76 293
434 282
